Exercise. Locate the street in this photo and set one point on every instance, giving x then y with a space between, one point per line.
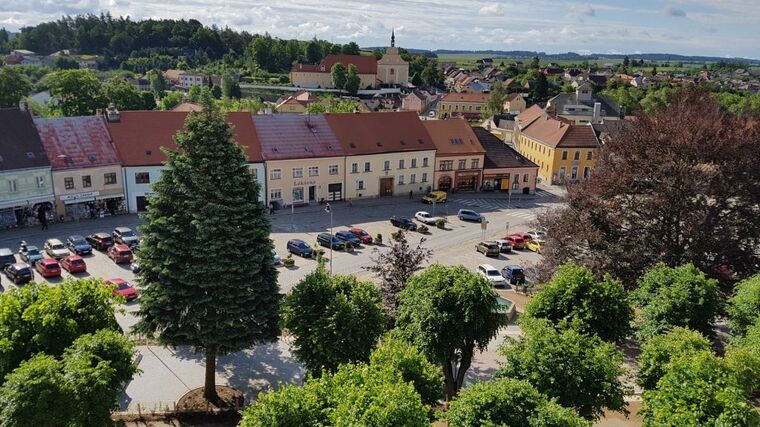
169 373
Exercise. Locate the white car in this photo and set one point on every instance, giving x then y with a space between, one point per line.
491 274
537 234
425 217
55 249
504 246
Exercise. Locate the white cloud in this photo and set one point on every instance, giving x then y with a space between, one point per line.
492 9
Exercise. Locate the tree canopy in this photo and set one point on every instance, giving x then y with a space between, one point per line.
659 350
744 305
14 86
353 81
123 95
75 92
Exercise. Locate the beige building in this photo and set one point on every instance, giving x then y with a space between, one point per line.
391 68
514 103
301 182
459 155
466 105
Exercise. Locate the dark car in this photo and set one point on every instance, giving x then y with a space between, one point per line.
327 239
19 273
514 274
126 236
488 248
78 245
300 248
100 241
348 236
6 257
404 222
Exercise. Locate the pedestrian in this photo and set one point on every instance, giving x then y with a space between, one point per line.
411 194
42 217
350 202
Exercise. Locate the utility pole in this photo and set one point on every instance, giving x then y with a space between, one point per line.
329 210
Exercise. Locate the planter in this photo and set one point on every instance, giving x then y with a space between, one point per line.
288 262
440 223
422 229
378 239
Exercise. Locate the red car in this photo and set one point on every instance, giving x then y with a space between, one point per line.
525 236
120 253
361 235
48 267
74 264
517 242
123 288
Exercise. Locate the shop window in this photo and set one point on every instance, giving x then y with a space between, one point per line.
275 194
313 171
355 168
424 176
298 173
298 195
333 169
86 181
142 178
109 178
68 183
275 174
414 163
475 163
413 178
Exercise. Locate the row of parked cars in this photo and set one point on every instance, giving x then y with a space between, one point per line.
354 236
531 240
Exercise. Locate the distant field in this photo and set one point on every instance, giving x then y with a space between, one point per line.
470 60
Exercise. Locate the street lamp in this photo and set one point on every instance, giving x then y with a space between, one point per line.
328 210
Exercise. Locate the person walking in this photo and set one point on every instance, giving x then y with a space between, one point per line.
411 194
42 217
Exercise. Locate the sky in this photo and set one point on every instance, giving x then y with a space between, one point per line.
726 28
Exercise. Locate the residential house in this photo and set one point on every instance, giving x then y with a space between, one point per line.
514 103
296 103
417 100
467 105
26 183
512 85
641 82
187 107
87 175
501 125
89 62
304 159
485 62
23 57
386 154
458 155
188 80
140 84
584 106
139 137
504 169
173 76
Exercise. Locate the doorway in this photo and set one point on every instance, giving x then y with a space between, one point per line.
386 186
312 193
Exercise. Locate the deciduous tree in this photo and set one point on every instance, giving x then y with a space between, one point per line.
405 360
338 73
35 394
207 198
13 87
659 350
123 95
744 306
75 92
353 81
157 83
495 103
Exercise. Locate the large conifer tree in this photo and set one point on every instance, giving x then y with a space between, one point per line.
207 273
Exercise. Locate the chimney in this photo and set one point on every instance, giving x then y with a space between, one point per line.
597 113
112 114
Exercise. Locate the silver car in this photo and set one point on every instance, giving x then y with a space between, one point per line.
55 249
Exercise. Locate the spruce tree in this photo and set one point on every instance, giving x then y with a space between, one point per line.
207 273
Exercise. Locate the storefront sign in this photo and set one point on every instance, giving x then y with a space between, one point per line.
476 173
78 196
300 183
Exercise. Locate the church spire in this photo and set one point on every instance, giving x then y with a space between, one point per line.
393 37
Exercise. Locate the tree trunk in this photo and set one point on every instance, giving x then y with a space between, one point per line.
209 387
464 365
449 381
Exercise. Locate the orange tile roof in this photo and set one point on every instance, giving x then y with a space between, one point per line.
529 115
375 133
365 64
452 137
139 135
558 133
465 97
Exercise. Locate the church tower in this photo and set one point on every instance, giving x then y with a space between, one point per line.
391 68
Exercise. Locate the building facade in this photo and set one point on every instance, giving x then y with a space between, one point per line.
465 105
504 169
392 70
459 155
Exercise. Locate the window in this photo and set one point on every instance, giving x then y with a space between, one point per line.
313 171
424 177
387 165
142 178
589 155
40 181
562 172
297 173
298 195
586 172
564 155
275 194
446 165
86 181
414 163
574 173
577 155
462 164
401 180
413 178
367 167
109 178
355 168
333 169
401 164
360 185
424 162
525 178
68 183
475 164
254 174
275 174
12 186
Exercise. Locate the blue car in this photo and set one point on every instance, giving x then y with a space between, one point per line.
300 248
78 245
328 240
468 215
348 236
29 254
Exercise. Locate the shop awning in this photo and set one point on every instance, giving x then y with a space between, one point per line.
26 202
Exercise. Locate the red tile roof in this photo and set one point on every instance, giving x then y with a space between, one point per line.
558 133
295 136
465 97
139 135
77 142
529 115
373 133
365 64
452 137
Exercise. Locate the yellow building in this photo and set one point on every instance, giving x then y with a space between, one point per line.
465 105
563 151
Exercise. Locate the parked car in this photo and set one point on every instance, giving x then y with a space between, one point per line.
361 234
277 259
403 222
120 253
300 248
513 274
100 241
29 254
505 246
6 257
537 234
326 239
123 288
348 236
126 236
517 242
78 245
74 264
426 218
435 197
48 267
491 274
19 273
525 236
469 215
55 248
488 248
534 245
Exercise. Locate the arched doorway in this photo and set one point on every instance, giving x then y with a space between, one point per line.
444 183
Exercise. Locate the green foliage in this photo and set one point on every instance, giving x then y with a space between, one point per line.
405 360
740 104
207 198
541 89
448 312
495 103
508 402
157 83
123 95
66 63
230 87
698 391
744 306
659 350
148 99
574 298
352 80
580 371
35 394
254 105
13 87
744 364
670 297
416 80
171 100
339 77
75 92
334 319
